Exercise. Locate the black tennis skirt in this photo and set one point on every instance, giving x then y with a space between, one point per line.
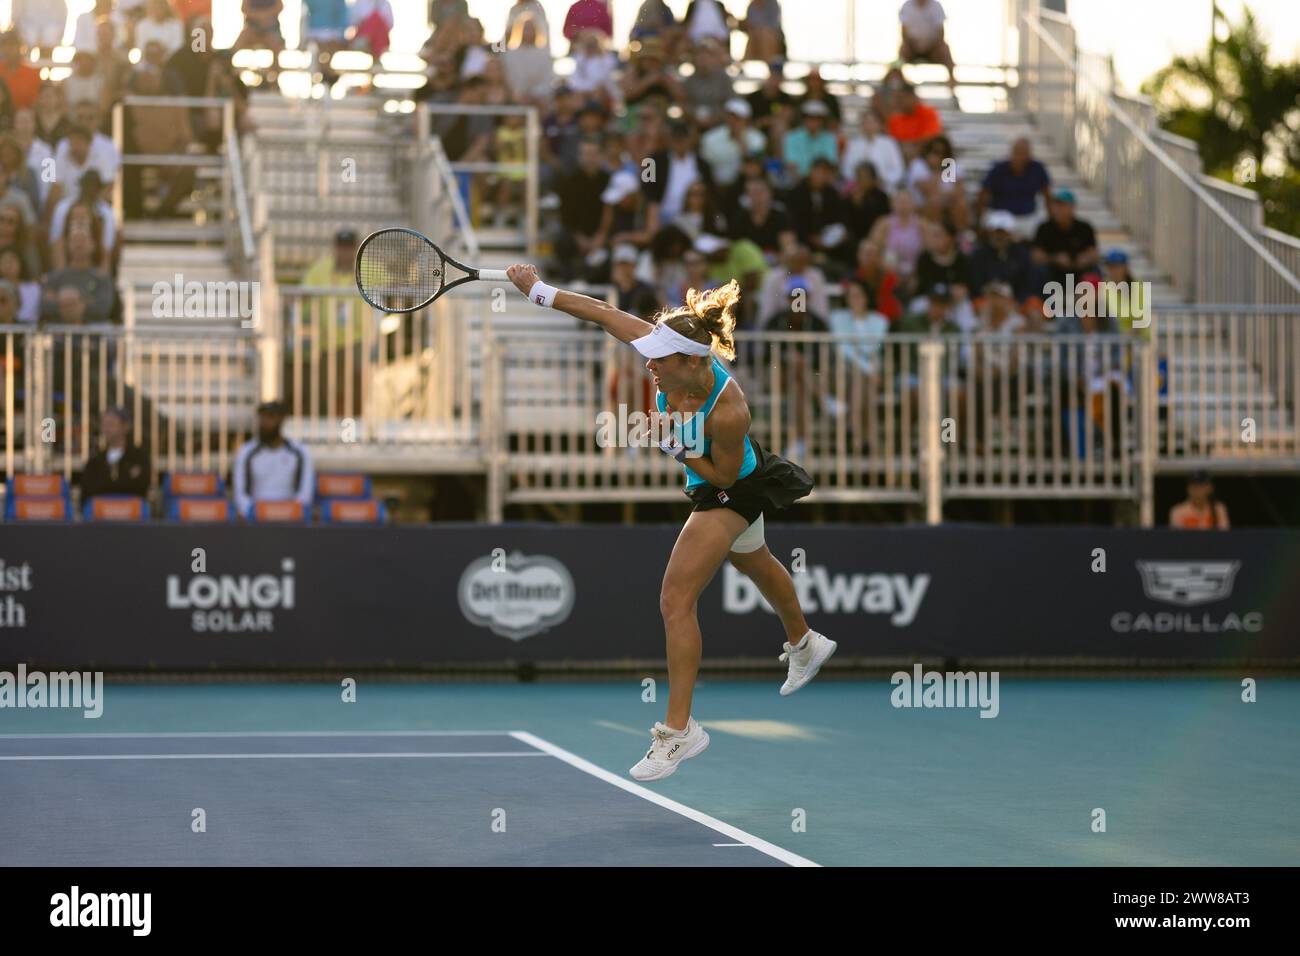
774 484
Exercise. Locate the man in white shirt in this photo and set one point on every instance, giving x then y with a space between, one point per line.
923 42
725 146
873 145
271 467
677 167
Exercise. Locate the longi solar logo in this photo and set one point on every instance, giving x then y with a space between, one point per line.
516 596
77 909
233 603
949 689
1187 584
70 690
14 580
820 591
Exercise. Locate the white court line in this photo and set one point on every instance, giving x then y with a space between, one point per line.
268 734
726 829
308 756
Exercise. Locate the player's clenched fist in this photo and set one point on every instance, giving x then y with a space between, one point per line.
523 275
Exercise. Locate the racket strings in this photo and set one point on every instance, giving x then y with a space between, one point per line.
399 270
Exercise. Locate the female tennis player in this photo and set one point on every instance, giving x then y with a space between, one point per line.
732 481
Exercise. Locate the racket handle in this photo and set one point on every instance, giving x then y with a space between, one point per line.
493 275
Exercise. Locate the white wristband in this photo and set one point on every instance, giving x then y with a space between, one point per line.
542 294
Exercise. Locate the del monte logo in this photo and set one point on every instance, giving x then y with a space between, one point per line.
516 596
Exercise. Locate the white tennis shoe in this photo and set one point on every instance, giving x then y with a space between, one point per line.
668 749
806 662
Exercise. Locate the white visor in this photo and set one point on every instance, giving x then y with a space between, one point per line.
665 341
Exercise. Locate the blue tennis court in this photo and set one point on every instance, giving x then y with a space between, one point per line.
535 774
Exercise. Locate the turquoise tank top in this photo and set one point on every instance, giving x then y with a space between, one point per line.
692 429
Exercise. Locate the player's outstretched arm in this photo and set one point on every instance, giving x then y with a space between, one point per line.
622 325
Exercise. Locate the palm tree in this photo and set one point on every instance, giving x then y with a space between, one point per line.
1237 106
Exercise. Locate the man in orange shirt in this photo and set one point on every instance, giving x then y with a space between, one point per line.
22 80
912 122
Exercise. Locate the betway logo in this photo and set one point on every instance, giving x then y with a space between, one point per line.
897 595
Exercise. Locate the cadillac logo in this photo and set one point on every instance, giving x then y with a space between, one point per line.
1188 583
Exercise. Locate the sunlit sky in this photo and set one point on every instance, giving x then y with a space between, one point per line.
1141 34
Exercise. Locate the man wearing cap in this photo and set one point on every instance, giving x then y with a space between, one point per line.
674 170
270 466
1013 186
999 257
120 467
1064 244
725 146
625 218
811 140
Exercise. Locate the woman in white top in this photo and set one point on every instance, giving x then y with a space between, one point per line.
936 182
161 26
865 331
873 145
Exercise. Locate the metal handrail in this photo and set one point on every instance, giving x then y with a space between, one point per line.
235 162
1148 144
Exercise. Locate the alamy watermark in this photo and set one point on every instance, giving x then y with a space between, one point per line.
76 690
637 429
947 689
207 300
1098 299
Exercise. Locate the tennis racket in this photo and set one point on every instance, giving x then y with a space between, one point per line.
401 270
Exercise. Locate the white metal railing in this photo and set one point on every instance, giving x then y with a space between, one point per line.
1204 235
186 392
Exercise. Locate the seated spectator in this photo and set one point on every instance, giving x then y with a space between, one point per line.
155 131
35 150
762 220
764 35
509 146
371 22
856 319
534 12
819 213
700 214
942 263
633 296
998 314
1124 297
933 320
332 329
815 91
811 140
899 237
874 146
160 25
50 113
935 179
261 26
85 34
650 79
472 53
625 218
15 234
121 467
12 193
87 211
196 69
558 148
661 266
271 467
740 260
82 252
1000 258
770 103
676 168
654 18
84 82
594 68
74 156
1199 511
879 281
1013 186
579 216
588 16
923 40
1065 244
801 367
695 275
725 146
41 22
865 203
529 70
8 306
912 122
796 283
707 20
709 87
112 65
21 80
327 27
27 290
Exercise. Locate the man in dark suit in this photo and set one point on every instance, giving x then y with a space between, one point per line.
672 171
120 468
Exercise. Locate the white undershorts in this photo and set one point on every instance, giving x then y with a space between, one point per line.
751 539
